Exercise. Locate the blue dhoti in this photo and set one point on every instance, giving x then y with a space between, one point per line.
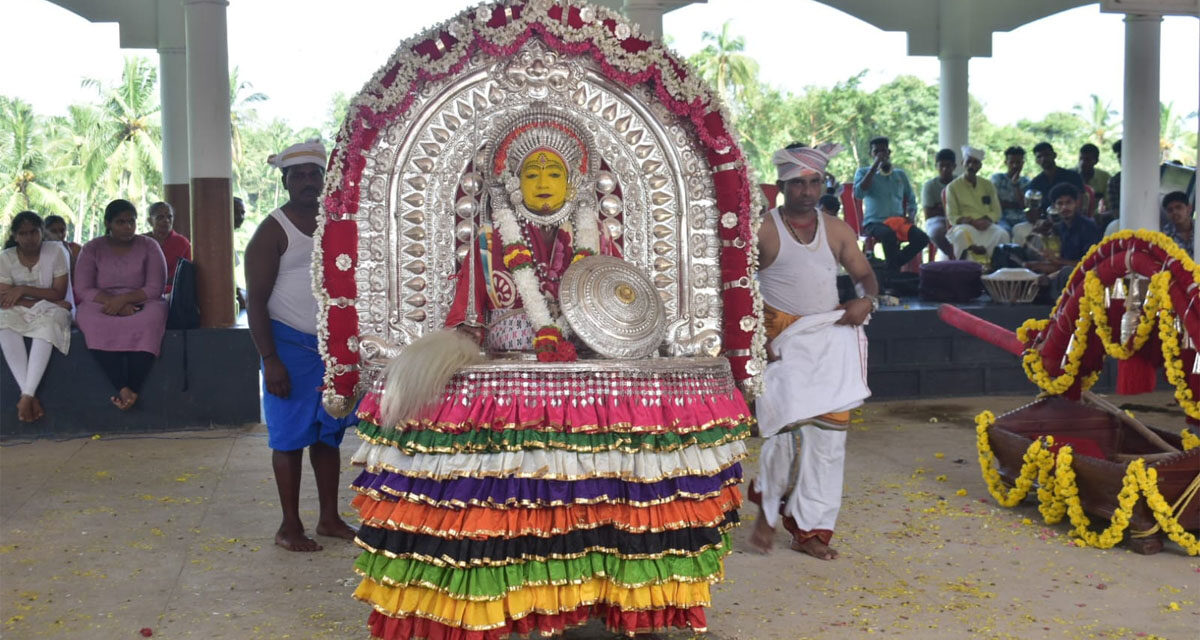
299 420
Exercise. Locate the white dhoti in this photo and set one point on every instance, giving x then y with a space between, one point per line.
822 369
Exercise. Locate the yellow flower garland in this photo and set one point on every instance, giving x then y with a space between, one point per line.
1036 371
1190 440
1174 365
987 463
1156 311
1092 303
1058 492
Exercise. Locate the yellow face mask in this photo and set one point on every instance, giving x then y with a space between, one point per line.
544 181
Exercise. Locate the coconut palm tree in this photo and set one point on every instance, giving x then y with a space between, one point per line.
241 96
1172 139
1102 127
131 132
723 65
75 144
26 180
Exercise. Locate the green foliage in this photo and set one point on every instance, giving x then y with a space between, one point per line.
111 148
73 165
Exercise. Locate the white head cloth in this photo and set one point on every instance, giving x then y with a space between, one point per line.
310 151
790 163
971 152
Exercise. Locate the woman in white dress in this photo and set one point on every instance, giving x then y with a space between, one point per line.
33 288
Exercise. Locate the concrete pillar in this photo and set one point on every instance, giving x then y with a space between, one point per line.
953 116
648 15
954 20
172 84
210 159
172 87
1140 153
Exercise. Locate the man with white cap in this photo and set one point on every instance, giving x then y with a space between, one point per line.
282 312
973 206
817 352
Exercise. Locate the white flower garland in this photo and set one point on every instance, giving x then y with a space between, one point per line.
586 237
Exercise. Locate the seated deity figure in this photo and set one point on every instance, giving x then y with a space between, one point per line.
543 219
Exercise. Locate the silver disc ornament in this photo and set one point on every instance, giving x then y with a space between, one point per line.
612 306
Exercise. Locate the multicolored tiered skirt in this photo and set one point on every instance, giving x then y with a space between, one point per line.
537 496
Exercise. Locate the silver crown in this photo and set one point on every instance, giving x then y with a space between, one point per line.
544 128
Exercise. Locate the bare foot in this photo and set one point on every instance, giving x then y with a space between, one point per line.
127 398
295 540
763 536
815 548
25 409
336 528
38 411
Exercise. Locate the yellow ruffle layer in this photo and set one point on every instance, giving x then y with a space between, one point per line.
545 599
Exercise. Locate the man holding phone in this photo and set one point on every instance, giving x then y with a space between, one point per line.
889 207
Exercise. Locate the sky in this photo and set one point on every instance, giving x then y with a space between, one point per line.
302 52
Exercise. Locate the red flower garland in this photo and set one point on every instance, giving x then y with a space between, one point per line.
732 184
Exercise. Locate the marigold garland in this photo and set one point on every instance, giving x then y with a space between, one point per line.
1157 310
1058 492
1036 370
1190 440
1174 366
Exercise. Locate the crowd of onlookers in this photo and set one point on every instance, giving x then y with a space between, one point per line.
1045 223
115 289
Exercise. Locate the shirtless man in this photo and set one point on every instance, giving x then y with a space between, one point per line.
283 323
800 250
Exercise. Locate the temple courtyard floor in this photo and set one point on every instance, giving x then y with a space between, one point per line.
170 536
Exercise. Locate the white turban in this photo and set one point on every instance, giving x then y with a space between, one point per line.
790 163
308 152
971 152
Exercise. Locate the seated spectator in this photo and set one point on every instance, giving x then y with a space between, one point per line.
1074 232
974 208
936 224
1052 175
1036 236
1011 186
56 229
118 290
1179 220
889 207
1097 179
829 204
174 245
33 283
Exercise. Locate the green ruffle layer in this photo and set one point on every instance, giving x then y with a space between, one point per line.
492 583
490 441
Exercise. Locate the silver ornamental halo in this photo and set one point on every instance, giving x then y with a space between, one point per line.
613 307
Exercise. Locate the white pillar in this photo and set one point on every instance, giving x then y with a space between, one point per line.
953 112
209 149
648 15
955 18
172 86
1140 154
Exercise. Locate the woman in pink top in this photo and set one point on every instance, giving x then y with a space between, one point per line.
118 290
